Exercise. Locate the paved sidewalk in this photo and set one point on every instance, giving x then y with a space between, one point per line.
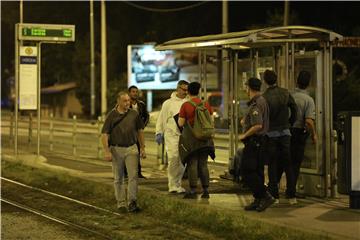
330 216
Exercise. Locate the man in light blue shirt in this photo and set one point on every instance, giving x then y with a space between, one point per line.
304 124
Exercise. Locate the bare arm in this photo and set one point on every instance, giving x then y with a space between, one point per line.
104 140
141 140
181 121
254 129
311 126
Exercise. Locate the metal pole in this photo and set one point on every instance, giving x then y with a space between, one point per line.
16 88
103 60
39 98
327 124
205 77
231 113
224 68
74 135
292 73
236 113
100 125
21 11
283 83
30 128
199 65
92 61
51 131
286 12
333 142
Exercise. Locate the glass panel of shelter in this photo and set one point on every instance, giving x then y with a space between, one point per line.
256 64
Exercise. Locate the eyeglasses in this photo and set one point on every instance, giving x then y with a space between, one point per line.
184 89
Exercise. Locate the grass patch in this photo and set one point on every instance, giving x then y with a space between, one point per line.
166 209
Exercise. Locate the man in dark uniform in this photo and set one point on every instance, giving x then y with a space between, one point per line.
140 107
278 145
255 125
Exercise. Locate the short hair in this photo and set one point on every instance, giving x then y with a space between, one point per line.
122 93
182 82
131 87
303 79
270 77
254 84
194 88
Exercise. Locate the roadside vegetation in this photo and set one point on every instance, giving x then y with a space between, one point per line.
163 217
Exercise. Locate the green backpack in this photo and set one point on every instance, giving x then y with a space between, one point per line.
203 128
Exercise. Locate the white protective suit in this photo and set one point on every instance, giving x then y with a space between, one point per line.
166 125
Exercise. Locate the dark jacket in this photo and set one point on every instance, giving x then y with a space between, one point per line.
144 114
189 145
279 101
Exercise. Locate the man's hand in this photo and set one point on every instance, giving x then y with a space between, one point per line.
314 138
107 156
159 138
142 153
242 122
242 137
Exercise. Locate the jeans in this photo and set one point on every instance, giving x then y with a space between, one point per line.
198 166
278 149
125 156
298 141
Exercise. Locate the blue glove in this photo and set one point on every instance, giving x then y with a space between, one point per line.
159 138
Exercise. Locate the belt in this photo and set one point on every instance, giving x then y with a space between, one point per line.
121 145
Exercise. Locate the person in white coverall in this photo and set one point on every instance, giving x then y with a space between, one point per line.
167 129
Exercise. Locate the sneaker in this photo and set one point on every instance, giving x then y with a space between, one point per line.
252 206
141 176
190 195
181 190
292 201
133 208
121 206
265 203
277 201
177 190
205 195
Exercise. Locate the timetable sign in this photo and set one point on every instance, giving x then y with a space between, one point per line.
46 32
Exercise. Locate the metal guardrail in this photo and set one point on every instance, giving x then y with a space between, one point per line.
78 135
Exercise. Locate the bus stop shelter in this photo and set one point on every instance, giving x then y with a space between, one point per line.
287 50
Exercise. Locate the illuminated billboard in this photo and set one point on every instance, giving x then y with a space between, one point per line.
155 70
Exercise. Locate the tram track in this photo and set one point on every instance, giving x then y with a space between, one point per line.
77 227
90 219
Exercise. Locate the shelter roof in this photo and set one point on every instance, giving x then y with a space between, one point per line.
254 38
58 88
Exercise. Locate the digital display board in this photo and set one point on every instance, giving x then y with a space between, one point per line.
46 32
156 70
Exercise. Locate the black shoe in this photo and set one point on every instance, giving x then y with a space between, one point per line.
141 176
133 208
265 202
190 195
205 195
252 206
122 209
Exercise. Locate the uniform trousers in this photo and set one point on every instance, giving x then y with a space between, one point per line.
252 166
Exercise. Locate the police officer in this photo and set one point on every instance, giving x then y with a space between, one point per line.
255 124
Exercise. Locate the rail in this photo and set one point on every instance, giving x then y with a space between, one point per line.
82 138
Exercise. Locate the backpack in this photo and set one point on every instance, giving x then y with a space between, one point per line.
203 128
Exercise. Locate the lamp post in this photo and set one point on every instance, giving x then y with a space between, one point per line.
92 61
103 60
